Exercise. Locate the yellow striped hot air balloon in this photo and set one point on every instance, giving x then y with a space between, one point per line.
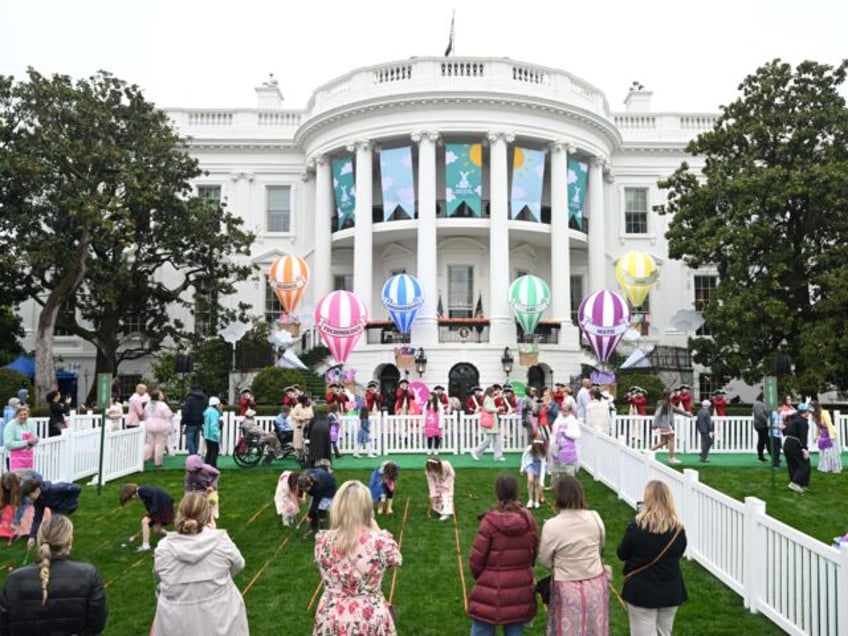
636 272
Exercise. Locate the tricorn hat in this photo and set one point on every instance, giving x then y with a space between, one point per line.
438 387
372 383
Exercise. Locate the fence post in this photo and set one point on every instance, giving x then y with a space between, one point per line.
689 511
842 589
754 558
66 456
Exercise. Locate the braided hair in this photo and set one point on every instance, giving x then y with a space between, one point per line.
55 536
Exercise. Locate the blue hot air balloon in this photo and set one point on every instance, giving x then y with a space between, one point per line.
402 297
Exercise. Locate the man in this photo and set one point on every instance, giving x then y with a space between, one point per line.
559 394
335 395
795 434
528 406
686 398
584 396
720 403
404 398
502 404
509 397
246 401
60 497
373 398
475 401
761 426
704 423
193 407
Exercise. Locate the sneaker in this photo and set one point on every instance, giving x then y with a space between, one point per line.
372 455
795 487
357 455
500 459
444 517
704 460
674 460
475 456
535 504
530 503
143 548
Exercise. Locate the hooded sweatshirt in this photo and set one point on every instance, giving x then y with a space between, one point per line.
200 476
196 590
502 559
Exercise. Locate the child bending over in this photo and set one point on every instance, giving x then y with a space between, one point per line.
159 507
382 486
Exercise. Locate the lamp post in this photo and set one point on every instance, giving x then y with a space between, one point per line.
506 362
420 362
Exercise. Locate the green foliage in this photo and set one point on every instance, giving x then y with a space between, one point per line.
11 329
269 383
428 588
212 366
639 377
769 215
10 382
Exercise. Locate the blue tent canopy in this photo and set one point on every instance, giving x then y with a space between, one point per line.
66 381
23 365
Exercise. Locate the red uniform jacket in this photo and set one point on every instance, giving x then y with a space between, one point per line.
473 404
403 400
686 401
720 405
559 398
373 401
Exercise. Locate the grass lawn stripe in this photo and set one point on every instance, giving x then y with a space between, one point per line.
108 583
265 565
459 562
258 512
400 548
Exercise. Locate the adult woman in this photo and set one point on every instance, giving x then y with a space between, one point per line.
195 566
651 549
796 431
54 595
664 425
157 418
58 411
19 437
598 412
502 560
571 544
440 480
830 458
352 557
761 426
135 408
489 426
301 415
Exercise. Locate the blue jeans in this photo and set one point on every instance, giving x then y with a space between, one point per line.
479 628
192 437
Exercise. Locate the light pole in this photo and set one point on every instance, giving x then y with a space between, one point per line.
506 362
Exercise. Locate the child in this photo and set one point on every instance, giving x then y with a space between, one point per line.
212 430
440 478
16 511
159 507
203 478
333 421
321 486
534 463
432 423
382 486
115 413
58 497
287 497
363 438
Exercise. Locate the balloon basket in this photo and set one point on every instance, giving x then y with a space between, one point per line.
528 359
292 328
405 361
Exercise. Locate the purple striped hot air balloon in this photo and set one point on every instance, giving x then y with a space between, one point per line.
340 317
604 317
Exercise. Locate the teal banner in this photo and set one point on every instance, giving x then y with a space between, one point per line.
528 174
344 190
578 176
464 177
397 181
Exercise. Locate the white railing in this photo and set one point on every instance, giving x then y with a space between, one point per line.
796 581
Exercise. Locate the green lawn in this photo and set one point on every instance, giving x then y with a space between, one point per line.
280 579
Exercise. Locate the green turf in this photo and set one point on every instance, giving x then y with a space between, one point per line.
428 590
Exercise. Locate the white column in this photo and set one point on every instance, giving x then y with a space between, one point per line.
425 329
560 278
362 250
322 271
597 229
501 323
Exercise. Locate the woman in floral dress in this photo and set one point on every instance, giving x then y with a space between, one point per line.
352 557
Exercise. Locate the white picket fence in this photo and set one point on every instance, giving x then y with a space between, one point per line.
798 582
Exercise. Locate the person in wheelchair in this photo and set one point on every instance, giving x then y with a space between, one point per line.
254 434
283 427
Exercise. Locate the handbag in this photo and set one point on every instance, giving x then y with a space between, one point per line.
825 443
633 573
543 588
487 419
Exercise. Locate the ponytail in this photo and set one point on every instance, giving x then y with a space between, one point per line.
54 540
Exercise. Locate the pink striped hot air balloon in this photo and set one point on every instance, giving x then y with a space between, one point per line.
288 277
340 317
604 317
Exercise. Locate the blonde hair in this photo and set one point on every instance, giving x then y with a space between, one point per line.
55 536
659 514
194 513
350 514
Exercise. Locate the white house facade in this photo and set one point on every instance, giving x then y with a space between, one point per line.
279 168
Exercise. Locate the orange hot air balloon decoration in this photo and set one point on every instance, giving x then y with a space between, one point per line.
288 277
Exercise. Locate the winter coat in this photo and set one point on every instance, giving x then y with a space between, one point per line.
323 489
196 590
660 585
212 424
193 407
76 601
319 440
502 559
59 497
56 423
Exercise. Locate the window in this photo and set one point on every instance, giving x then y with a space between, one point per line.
205 303
273 308
635 211
576 297
279 209
704 290
708 384
134 323
343 281
210 194
460 291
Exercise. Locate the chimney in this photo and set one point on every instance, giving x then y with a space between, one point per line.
268 94
638 99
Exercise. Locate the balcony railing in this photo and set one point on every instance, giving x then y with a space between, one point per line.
384 332
471 330
547 332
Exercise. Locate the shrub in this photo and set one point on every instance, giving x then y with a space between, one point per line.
269 383
10 382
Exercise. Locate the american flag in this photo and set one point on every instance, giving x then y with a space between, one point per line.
450 40
440 309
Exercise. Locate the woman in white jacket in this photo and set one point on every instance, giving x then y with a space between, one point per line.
195 567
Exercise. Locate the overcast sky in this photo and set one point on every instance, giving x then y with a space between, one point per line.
211 53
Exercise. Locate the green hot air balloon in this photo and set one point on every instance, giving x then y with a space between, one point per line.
529 297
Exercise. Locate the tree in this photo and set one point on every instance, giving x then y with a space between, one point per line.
769 211
95 188
10 330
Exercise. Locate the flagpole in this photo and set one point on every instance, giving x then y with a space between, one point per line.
451 37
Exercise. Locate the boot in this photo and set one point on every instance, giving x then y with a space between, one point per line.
338 454
389 506
381 506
